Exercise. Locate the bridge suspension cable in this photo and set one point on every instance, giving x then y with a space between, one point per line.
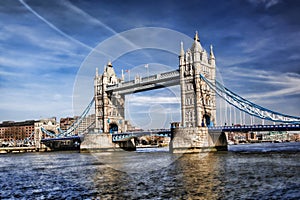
49 133
247 106
74 126
29 138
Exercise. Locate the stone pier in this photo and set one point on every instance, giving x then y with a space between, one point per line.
197 139
100 142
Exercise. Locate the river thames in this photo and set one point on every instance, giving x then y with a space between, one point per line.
256 171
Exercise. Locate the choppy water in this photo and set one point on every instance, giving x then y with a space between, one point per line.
259 171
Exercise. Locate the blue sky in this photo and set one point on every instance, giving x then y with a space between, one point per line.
44 46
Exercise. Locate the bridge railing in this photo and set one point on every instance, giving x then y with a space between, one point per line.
279 127
169 74
126 136
149 78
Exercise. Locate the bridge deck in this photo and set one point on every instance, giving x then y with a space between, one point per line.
246 128
129 135
61 138
118 137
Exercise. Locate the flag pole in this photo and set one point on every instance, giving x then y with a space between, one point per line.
147 67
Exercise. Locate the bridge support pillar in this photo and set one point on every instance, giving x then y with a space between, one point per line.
197 139
99 142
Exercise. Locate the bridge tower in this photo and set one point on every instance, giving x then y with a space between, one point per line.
109 106
198 101
109 113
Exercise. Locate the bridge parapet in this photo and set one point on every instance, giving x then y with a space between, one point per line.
169 74
150 78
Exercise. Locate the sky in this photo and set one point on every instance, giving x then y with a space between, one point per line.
49 50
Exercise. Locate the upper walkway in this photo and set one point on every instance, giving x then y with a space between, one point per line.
146 83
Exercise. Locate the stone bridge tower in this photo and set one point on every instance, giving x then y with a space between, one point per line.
198 101
109 106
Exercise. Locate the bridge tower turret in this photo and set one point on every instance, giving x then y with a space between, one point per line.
212 62
198 107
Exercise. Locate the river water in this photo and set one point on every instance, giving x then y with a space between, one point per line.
257 171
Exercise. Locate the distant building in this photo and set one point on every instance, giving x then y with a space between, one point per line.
87 123
295 137
66 122
275 136
11 131
267 136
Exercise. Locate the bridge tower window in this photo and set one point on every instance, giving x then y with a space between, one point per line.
206 118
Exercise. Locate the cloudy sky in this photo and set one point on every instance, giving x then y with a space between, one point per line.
46 47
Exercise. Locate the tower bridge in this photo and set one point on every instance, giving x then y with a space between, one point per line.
196 132
198 101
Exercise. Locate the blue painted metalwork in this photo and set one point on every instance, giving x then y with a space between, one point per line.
29 138
73 127
247 106
76 137
118 137
247 128
68 134
48 132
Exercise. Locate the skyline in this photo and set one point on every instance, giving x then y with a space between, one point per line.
44 44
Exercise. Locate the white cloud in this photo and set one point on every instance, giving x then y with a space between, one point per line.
54 27
8 73
255 44
72 9
266 3
35 48
37 36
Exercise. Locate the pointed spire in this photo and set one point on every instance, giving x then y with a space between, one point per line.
105 70
109 63
211 54
181 49
97 71
196 38
196 47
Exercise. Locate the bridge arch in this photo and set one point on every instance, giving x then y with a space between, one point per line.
207 120
113 127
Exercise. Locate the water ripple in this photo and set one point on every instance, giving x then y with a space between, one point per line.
229 175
